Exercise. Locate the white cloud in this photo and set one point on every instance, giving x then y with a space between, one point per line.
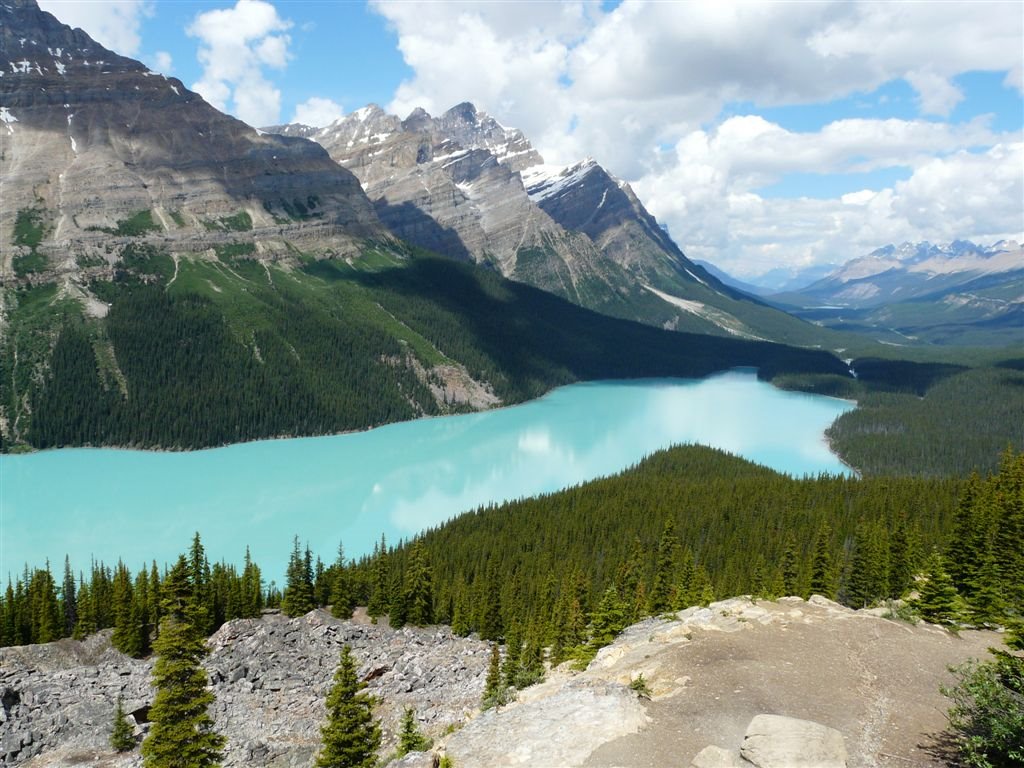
317 112
114 24
162 62
714 211
235 45
642 88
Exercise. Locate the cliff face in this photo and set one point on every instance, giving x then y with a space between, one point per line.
464 185
98 152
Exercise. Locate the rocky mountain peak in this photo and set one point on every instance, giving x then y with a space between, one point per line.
100 153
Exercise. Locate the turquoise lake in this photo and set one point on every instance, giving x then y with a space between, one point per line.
396 480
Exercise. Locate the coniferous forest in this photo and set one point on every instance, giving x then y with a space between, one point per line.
568 570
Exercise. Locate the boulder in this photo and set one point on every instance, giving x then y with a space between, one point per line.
773 741
716 757
415 760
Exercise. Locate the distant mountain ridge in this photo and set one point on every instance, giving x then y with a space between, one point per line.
940 292
464 185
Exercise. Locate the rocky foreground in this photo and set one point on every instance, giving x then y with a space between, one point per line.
741 683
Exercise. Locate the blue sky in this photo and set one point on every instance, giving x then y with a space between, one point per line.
762 134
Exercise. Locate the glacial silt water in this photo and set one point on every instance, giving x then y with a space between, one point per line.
396 480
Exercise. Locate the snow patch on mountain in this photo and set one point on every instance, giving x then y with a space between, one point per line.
722 319
544 181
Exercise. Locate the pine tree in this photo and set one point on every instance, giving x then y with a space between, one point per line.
409 738
350 735
665 569
822 582
418 589
298 598
122 735
69 600
182 731
938 597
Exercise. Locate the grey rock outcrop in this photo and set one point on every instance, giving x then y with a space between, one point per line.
561 729
270 678
103 153
463 185
773 741
717 757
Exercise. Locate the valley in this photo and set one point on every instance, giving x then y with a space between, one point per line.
440 409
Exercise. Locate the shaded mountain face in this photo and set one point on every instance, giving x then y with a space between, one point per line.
466 186
958 292
99 153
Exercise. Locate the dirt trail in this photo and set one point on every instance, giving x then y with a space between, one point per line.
876 681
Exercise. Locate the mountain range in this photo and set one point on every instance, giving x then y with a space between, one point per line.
173 277
958 292
464 185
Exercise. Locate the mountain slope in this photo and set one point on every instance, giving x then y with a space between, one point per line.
463 185
173 278
99 153
958 293
205 352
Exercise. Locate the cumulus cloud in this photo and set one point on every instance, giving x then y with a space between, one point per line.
317 112
162 62
713 207
114 24
643 87
235 45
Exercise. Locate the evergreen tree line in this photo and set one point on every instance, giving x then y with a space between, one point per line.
567 571
319 351
36 609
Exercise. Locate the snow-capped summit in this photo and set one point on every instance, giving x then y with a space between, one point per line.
465 185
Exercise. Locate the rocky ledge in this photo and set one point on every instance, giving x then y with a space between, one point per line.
740 683
270 677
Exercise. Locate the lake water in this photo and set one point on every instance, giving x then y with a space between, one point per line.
396 480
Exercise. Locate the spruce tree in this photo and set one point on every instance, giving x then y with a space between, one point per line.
69 600
937 600
493 684
409 738
298 598
608 619
341 598
379 592
418 587
665 569
821 566
350 735
790 569
122 735
182 731
126 636
701 590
